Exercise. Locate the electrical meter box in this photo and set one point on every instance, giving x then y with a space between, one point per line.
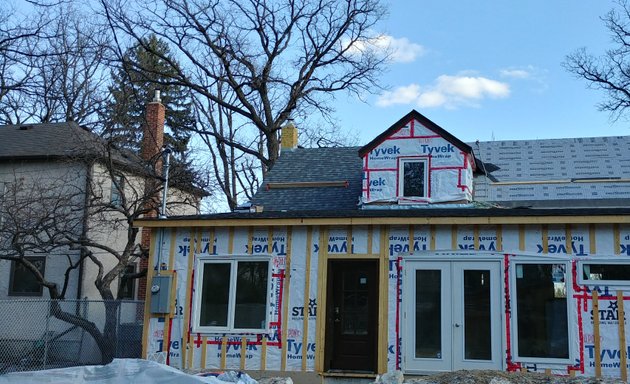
160 294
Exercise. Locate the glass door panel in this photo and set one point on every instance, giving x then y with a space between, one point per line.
476 315
428 313
453 317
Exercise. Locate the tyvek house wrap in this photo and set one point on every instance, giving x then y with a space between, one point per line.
449 170
291 339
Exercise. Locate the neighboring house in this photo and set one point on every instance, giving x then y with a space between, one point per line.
415 252
65 164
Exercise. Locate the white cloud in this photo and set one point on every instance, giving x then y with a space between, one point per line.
516 73
536 77
400 50
447 91
401 95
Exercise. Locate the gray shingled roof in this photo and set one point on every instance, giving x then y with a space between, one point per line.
550 173
46 140
555 172
60 140
313 165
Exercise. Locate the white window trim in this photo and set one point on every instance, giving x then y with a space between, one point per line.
233 260
606 283
401 176
514 307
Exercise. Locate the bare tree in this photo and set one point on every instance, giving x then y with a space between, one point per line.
54 71
261 61
16 37
611 71
48 213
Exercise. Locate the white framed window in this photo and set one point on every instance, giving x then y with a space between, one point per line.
541 311
605 272
232 294
117 190
413 177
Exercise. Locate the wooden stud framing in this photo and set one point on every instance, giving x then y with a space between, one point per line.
432 240
250 240
623 358
269 239
411 235
147 302
475 237
370 233
545 238
204 351
592 242
224 347
230 240
285 302
263 354
193 250
499 230
616 239
568 238
381 361
454 237
171 251
243 352
307 290
548 372
521 237
598 347
322 272
349 241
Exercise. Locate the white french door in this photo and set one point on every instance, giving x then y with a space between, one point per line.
452 315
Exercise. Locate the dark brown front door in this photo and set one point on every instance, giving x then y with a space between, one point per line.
351 325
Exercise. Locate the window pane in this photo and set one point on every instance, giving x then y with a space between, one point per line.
215 295
542 310
413 184
126 288
429 314
477 315
618 272
251 294
23 282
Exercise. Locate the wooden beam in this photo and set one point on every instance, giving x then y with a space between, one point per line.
623 358
286 293
336 221
383 292
322 274
598 347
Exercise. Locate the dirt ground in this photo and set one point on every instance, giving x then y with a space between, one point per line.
499 377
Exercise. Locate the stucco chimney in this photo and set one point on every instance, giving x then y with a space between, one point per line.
153 133
289 136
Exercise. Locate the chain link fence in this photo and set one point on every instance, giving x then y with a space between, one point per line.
32 337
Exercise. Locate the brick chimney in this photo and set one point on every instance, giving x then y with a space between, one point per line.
151 149
289 136
153 133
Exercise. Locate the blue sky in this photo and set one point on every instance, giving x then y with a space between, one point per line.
488 69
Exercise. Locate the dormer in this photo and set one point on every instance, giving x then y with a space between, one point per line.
416 162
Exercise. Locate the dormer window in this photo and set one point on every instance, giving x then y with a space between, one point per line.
413 178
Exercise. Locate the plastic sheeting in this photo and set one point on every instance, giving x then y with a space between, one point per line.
119 371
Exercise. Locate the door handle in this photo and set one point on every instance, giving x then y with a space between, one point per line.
456 325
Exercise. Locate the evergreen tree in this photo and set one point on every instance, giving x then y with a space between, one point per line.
133 88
